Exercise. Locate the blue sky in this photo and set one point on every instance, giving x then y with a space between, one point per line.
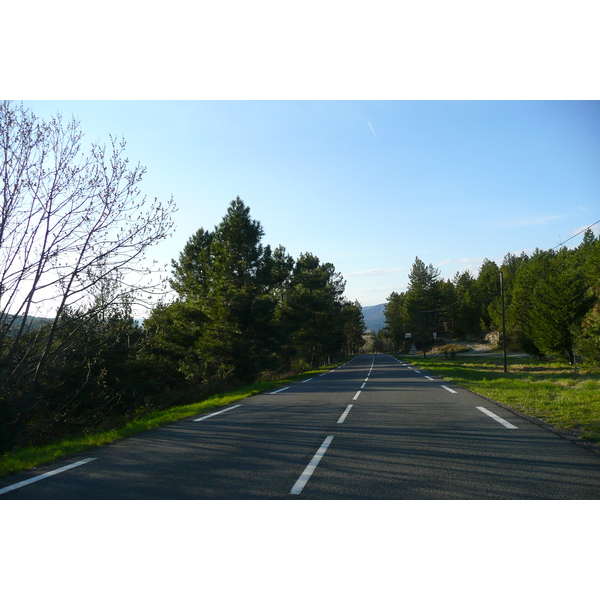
367 185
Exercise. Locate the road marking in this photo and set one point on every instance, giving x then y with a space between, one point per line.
489 413
417 371
451 391
356 395
427 377
217 413
16 486
281 390
342 418
308 380
312 465
367 379
363 385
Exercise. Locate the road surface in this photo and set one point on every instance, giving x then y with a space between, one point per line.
374 428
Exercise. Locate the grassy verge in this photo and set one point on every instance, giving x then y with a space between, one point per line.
550 391
28 458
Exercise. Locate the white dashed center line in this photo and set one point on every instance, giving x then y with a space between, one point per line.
312 465
343 417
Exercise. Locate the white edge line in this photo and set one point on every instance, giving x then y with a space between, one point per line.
308 380
281 390
451 391
16 486
489 413
343 417
356 395
312 465
217 413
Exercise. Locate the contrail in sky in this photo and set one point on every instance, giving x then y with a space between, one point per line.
369 124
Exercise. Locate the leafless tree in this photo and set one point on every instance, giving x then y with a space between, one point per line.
74 227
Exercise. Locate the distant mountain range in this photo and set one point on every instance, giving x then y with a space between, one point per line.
374 317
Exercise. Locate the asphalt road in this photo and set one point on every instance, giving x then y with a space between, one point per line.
374 428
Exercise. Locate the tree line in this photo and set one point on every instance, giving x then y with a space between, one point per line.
74 229
551 302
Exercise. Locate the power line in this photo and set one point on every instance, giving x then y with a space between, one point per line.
578 233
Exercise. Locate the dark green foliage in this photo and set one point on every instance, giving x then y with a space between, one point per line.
465 310
488 291
95 376
587 340
353 327
311 313
560 302
396 319
244 309
424 303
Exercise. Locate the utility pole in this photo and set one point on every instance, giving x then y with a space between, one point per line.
503 322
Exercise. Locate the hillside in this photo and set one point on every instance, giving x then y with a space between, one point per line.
374 317
32 322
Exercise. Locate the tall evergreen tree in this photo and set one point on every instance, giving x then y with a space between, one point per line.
559 302
588 339
520 310
465 308
353 328
424 301
225 275
488 285
396 318
312 309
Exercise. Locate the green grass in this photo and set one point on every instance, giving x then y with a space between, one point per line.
34 456
550 390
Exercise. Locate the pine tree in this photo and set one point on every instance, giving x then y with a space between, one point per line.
424 301
465 310
396 318
588 339
488 285
312 310
353 327
224 274
559 304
